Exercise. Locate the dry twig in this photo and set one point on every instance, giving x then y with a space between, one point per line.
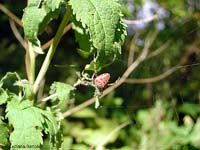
17 34
153 79
146 20
11 15
132 49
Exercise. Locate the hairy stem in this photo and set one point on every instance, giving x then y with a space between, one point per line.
32 63
51 50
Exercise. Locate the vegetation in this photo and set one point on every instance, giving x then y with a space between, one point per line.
48 95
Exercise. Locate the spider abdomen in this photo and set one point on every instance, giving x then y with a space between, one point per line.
101 80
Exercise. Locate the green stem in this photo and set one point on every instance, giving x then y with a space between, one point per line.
51 50
32 63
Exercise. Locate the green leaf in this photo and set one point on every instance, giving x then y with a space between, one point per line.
8 78
8 81
3 133
3 96
27 89
51 126
26 121
195 136
83 38
29 138
29 122
62 90
51 122
36 16
102 19
190 109
67 142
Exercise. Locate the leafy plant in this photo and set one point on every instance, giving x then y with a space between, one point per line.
144 109
96 23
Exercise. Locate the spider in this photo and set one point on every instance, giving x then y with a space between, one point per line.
96 81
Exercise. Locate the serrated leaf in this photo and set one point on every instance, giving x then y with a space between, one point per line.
102 19
29 139
62 90
36 16
8 81
27 123
52 126
8 77
3 96
3 133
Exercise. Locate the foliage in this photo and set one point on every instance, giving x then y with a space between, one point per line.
35 121
106 31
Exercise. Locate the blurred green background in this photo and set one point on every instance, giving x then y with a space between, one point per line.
163 115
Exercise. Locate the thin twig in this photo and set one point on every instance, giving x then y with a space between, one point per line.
49 97
132 49
159 50
17 34
10 15
153 79
128 71
146 20
66 29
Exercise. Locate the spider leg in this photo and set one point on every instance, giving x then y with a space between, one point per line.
110 84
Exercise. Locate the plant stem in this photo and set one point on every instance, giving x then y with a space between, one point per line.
32 63
51 50
49 97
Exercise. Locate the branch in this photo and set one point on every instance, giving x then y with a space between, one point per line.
149 40
146 20
17 34
26 47
10 15
159 50
132 49
153 79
